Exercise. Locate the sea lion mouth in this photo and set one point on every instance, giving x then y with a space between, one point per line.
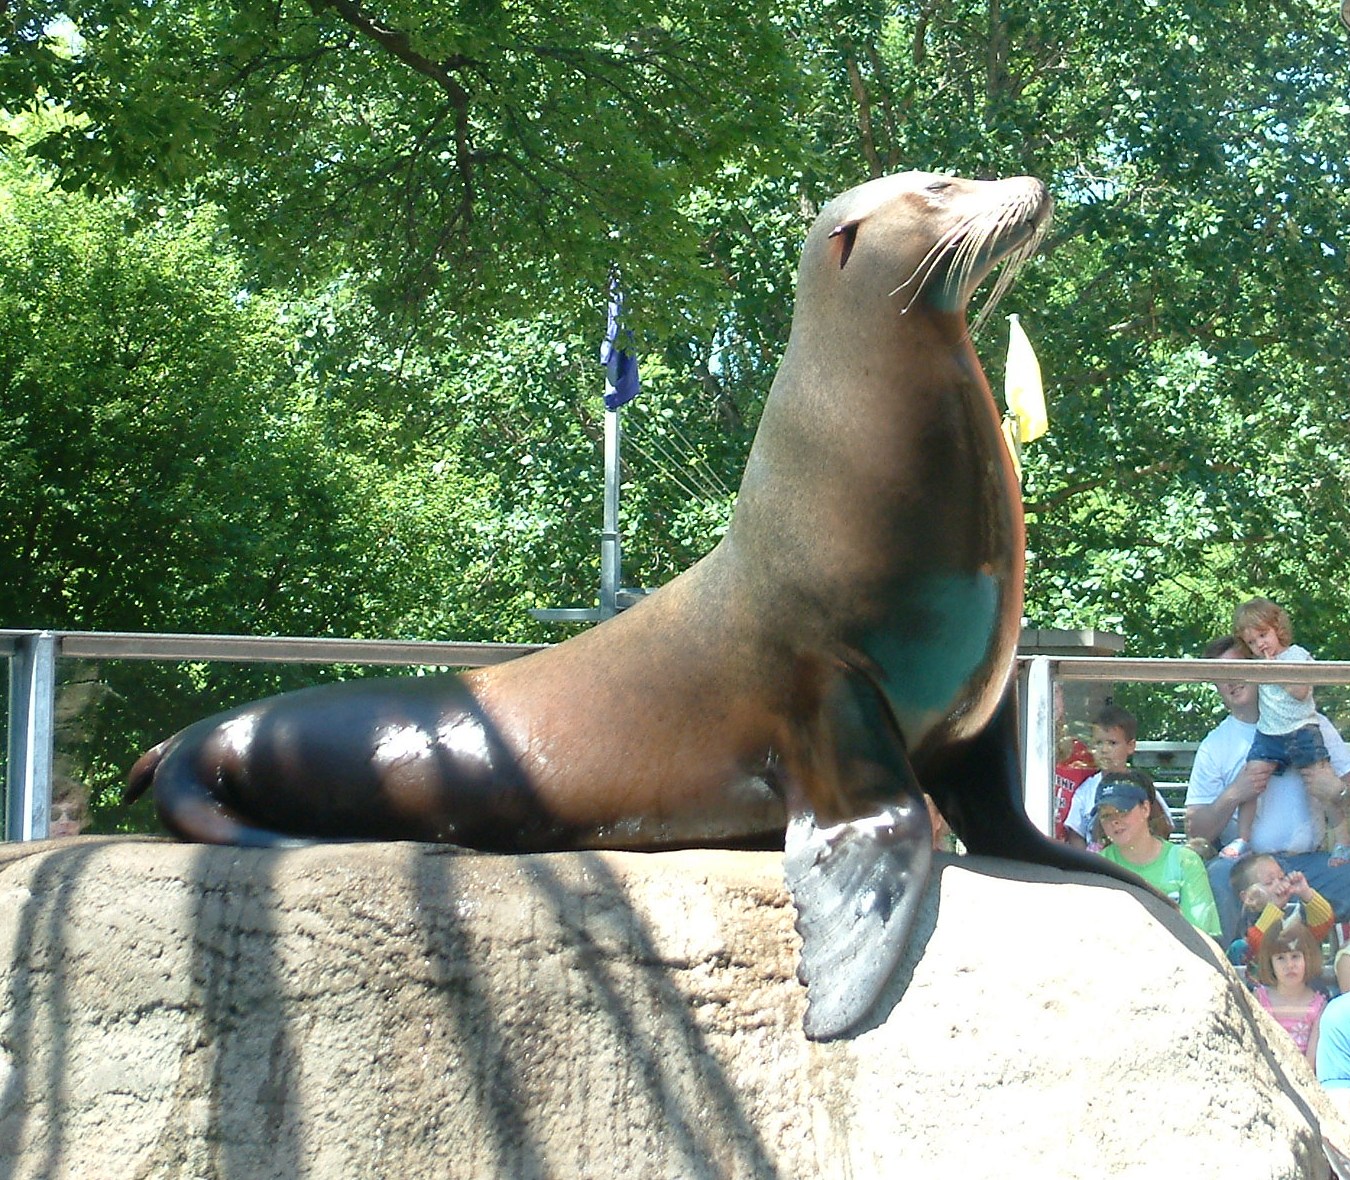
1006 235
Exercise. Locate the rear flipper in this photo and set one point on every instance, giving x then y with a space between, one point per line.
978 786
856 875
183 801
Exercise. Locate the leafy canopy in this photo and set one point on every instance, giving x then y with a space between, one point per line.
466 160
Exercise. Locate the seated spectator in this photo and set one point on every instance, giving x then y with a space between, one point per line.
1113 741
1074 765
1289 960
1286 825
1267 895
1340 967
1332 1056
70 808
1333 1039
1125 807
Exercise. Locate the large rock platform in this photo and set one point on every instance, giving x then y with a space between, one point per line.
391 1010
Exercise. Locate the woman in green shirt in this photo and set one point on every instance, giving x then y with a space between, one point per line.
1123 807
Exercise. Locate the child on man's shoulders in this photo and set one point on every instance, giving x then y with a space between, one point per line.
1287 729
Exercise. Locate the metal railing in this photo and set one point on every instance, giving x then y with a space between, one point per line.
32 691
1037 675
32 686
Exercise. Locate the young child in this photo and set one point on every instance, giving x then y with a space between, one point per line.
1290 958
1125 807
1266 894
1074 765
1287 732
1113 739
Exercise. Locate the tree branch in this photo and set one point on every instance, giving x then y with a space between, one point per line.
399 44
864 104
1114 478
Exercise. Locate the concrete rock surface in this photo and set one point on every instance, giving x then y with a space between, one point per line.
392 1010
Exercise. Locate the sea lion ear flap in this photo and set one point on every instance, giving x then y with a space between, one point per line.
848 231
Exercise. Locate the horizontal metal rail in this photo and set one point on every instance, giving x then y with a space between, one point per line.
32 686
131 645
33 654
1168 671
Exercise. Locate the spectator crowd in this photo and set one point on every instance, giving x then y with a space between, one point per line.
1264 863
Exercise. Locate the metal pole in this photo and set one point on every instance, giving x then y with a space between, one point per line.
32 709
611 558
1039 761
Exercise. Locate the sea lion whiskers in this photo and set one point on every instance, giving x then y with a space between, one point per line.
1018 213
929 262
1009 270
1007 275
966 248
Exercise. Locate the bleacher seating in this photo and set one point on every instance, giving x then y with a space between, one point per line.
1169 763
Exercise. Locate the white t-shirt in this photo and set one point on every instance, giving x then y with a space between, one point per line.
1285 821
1281 711
1085 799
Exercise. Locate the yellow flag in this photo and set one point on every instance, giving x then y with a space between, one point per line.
1022 389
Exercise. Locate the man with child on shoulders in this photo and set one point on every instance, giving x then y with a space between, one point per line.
1287 822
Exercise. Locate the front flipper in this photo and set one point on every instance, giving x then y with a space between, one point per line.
858 851
856 887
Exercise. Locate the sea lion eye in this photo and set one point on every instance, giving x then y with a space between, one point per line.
848 231
938 186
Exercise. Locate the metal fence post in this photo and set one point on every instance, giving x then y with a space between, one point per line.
32 708
1038 762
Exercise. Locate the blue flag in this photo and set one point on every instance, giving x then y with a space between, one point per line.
621 371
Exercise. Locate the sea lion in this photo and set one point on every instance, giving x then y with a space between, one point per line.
846 646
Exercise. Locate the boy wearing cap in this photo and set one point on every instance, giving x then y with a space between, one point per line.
1113 740
1124 807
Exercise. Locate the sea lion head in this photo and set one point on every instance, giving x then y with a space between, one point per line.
930 238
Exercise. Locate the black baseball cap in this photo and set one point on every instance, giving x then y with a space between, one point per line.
1120 794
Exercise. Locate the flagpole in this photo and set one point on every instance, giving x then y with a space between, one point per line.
621 385
611 556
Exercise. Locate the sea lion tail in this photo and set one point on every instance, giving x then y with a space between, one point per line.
142 774
185 803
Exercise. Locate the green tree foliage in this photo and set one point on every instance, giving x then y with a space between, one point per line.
465 159
156 464
173 463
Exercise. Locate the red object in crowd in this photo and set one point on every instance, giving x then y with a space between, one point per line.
1070 774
